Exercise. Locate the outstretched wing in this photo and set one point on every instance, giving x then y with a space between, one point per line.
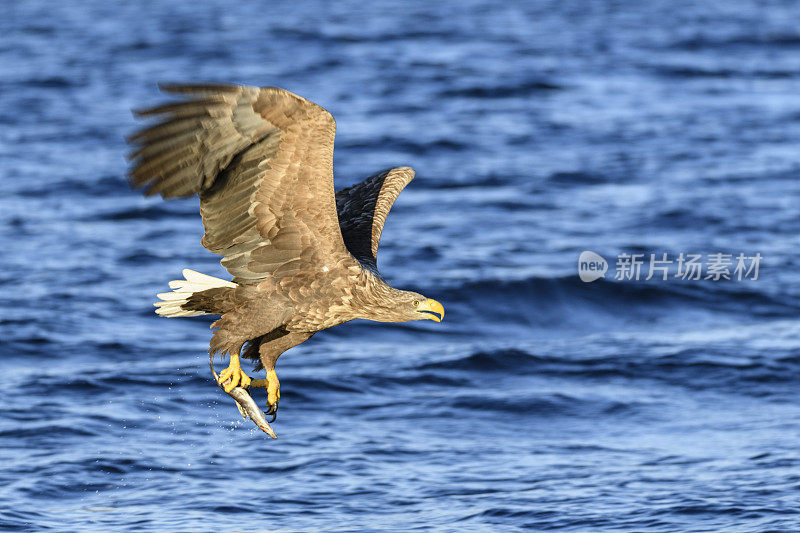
363 208
261 160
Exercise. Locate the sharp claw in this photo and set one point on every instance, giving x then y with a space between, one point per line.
273 410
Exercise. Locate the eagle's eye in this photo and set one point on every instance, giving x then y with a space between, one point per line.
416 303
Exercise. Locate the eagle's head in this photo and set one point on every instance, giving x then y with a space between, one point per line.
414 306
381 302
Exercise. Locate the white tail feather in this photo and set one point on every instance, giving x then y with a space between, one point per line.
171 302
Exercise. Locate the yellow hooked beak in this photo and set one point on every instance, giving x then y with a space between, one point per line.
431 309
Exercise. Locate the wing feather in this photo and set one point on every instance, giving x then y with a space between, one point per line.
363 208
261 160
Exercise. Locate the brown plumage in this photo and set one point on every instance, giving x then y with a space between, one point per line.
302 257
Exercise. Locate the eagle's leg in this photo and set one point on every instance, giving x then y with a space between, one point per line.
270 347
233 375
273 387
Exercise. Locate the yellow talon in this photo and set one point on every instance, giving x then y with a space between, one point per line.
273 387
233 376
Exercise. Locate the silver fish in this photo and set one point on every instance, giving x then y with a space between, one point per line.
247 406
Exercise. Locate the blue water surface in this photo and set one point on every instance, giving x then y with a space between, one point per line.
538 130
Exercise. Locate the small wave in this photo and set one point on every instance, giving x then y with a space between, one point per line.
779 40
543 405
21 520
310 386
687 71
502 91
500 360
505 512
364 37
408 146
100 187
51 82
579 178
151 212
42 431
